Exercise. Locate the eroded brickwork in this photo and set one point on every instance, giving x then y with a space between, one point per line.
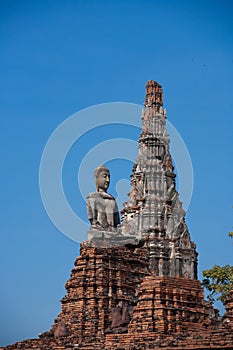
113 301
102 280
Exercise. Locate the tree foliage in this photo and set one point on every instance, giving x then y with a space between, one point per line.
218 281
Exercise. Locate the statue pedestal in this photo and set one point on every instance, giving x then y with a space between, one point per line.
109 238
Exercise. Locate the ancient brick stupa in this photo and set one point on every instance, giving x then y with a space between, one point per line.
134 285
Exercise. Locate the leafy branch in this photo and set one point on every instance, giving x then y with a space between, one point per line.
218 281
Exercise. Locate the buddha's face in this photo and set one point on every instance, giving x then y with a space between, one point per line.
103 180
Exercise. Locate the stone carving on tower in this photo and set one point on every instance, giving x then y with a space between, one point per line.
153 211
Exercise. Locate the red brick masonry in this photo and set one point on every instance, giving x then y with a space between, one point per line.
114 302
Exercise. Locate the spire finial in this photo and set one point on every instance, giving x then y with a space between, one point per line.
154 94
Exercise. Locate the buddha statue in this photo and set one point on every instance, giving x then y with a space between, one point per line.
102 208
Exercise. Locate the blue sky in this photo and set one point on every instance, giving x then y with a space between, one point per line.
58 57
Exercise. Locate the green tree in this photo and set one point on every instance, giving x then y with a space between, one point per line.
218 281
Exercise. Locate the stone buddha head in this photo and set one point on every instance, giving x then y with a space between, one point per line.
102 178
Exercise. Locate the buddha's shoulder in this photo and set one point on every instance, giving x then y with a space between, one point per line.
93 195
103 195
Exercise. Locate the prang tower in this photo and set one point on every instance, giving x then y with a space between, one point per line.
154 211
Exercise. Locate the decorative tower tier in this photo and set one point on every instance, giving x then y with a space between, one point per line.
153 211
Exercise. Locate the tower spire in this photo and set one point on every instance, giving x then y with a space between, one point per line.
153 210
154 94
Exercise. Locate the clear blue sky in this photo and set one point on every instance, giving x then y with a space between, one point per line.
58 57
